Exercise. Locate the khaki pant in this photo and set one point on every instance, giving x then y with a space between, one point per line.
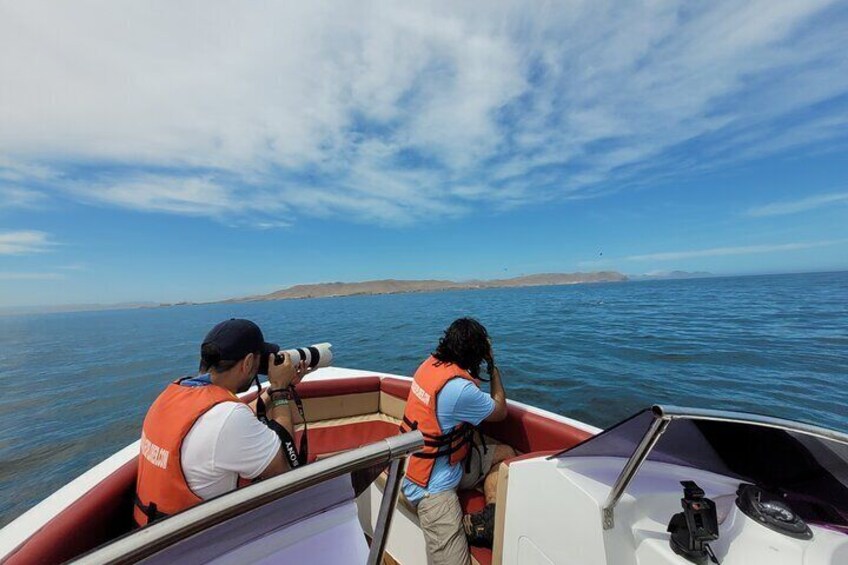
440 515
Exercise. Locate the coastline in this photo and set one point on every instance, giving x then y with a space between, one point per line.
395 286
381 287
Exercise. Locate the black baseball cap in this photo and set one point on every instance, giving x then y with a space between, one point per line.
235 338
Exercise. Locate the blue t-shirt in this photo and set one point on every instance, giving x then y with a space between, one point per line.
458 401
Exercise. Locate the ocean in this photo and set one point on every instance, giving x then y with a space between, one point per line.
76 386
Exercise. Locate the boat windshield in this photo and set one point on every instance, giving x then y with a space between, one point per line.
811 472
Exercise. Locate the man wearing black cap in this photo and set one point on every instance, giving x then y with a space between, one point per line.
199 440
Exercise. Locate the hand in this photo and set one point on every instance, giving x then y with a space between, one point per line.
282 375
490 360
301 370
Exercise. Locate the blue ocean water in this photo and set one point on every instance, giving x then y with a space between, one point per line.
75 387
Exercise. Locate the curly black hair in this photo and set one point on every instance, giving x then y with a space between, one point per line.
465 344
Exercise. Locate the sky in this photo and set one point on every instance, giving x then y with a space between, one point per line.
168 151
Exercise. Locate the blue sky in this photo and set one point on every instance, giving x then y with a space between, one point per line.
164 153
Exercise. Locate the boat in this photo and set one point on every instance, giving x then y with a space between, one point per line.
667 485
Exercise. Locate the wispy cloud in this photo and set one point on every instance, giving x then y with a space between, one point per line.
197 196
402 111
17 197
795 206
16 170
13 276
24 242
724 251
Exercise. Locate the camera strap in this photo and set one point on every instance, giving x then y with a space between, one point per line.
304 437
291 454
296 457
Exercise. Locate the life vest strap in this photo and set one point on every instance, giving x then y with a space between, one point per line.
476 447
442 453
436 440
150 510
451 447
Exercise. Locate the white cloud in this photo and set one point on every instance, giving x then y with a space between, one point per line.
14 171
162 193
18 197
394 112
13 276
724 251
24 242
795 206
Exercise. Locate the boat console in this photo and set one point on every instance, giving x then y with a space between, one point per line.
754 492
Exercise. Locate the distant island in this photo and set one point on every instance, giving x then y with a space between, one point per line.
668 275
383 286
393 286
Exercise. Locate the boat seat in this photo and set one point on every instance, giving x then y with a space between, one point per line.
101 514
329 437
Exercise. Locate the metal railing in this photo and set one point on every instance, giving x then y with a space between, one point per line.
678 412
160 535
651 437
663 416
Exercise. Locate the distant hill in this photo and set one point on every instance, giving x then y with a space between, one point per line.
393 286
333 289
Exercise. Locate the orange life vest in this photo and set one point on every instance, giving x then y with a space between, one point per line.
420 414
161 488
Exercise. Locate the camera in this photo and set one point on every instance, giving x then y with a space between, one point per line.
315 356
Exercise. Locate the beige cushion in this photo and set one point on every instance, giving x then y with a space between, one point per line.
392 405
342 406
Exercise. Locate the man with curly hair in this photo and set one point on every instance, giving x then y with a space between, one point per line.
446 404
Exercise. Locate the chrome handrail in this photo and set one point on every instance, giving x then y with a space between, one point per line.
384 518
682 413
658 426
663 416
158 536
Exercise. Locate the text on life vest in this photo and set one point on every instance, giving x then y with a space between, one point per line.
153 453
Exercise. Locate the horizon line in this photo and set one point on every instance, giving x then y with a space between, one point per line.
42 309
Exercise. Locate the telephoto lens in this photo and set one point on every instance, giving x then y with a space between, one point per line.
315 356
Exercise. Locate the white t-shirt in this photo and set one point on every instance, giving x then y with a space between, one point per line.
226 443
